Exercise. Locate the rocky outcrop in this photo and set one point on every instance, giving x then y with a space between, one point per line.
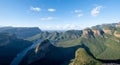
107 31
118 24
97 32
116 34
87 32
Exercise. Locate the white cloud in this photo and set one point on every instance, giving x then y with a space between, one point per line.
51 10
46 18
77 11
37 9
63 27
79 15
95 11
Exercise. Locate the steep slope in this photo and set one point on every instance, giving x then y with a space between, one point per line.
38 52
99 43
57 36
102 47
102 41
83 58
10 46
47 54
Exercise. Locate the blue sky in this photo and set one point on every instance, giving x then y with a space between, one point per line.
58 14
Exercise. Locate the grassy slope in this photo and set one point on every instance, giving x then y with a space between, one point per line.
68 43
112 50
83 58
106 47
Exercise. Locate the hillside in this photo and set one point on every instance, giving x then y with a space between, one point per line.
47 54
57 36
101 41
21 32
10 46
91 46
83 58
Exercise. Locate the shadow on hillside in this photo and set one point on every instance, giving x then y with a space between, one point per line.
117 61
58 56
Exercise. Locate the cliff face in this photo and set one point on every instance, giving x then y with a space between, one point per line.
118 24
107 31
116 34
87 33
97 32
101 45
43 46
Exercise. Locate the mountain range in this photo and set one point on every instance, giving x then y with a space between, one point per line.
97 45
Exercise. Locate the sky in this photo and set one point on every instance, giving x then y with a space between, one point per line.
58 14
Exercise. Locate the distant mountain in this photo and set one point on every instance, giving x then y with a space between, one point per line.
21 32
73 34
10 46
57 36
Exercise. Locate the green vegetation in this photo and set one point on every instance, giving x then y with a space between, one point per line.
57 36
104 46
72 47
10 46
83 58
117 30
21 32
68 43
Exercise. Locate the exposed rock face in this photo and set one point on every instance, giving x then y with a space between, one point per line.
118 24
107 31
87 32
97 32
116 34
44 46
